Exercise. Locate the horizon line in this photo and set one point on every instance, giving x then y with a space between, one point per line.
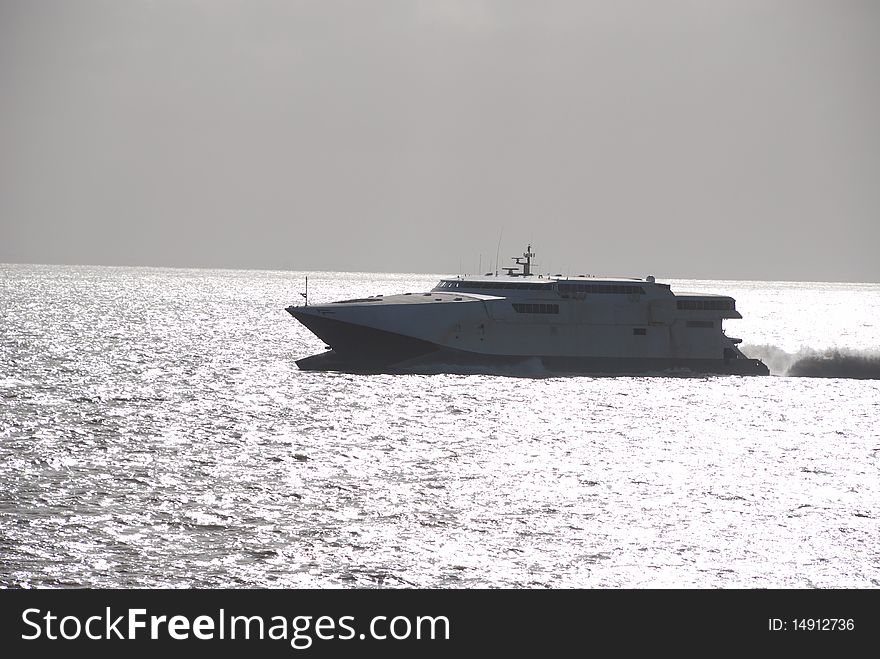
412 272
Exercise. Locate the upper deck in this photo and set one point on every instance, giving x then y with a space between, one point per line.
556 286
527 287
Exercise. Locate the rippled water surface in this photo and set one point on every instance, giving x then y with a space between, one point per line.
155 431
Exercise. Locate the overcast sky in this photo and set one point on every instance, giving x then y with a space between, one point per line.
735 139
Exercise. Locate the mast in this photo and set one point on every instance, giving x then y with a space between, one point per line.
306 294
527 267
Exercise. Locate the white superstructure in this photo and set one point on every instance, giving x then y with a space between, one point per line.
571 324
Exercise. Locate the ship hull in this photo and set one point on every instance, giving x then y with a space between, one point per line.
360 349
454 361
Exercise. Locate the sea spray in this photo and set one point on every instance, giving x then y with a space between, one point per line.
828 363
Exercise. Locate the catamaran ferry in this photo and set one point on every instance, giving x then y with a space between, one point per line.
518 321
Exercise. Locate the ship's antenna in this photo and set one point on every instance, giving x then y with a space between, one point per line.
306 294
497 251
527 270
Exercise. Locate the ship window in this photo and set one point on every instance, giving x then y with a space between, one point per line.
598 289
706 305
501 285
536 308
639 331
700 323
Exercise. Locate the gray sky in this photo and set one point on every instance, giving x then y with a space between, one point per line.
721 139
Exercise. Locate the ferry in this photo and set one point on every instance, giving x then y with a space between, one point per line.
523 323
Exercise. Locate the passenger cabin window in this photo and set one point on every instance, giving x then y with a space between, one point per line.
536 308
567 288
706 305
496 285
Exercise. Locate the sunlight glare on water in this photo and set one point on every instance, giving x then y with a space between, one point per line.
155 431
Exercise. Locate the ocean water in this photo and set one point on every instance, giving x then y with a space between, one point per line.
155 432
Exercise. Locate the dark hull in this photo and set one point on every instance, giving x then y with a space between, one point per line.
358 349
449 361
